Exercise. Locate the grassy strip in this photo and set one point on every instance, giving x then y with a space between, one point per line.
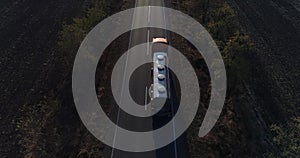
41 132
221 22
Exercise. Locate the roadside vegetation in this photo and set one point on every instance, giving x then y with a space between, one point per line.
50 127
73 34
221 22
38 136
287 138
227 139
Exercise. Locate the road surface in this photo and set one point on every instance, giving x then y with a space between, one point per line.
140 82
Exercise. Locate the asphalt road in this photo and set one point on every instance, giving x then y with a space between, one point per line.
140 81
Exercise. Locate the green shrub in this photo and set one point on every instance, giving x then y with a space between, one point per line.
73 34
287 137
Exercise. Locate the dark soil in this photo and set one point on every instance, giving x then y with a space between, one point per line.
273 87
28 63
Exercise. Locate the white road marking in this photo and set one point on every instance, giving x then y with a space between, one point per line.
126 63
165 18
148 33
149 11
148 40
146 98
